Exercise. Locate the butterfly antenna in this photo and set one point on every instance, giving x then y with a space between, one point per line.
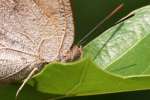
101 22
25 81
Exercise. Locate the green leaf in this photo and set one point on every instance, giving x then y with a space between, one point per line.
124 49
116 48
84 78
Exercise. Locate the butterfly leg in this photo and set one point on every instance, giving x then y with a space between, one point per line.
25 81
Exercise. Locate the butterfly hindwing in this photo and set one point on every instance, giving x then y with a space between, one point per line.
32 31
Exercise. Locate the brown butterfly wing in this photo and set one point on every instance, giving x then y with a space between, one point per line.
31 32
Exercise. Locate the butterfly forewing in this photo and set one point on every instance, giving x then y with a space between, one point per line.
31 32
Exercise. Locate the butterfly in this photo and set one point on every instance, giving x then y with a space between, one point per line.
32 33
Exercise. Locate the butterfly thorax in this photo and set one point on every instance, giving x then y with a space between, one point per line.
73 54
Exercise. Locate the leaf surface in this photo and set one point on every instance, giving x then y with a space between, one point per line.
116 63
124 49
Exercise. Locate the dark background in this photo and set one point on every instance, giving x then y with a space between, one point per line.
87 14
